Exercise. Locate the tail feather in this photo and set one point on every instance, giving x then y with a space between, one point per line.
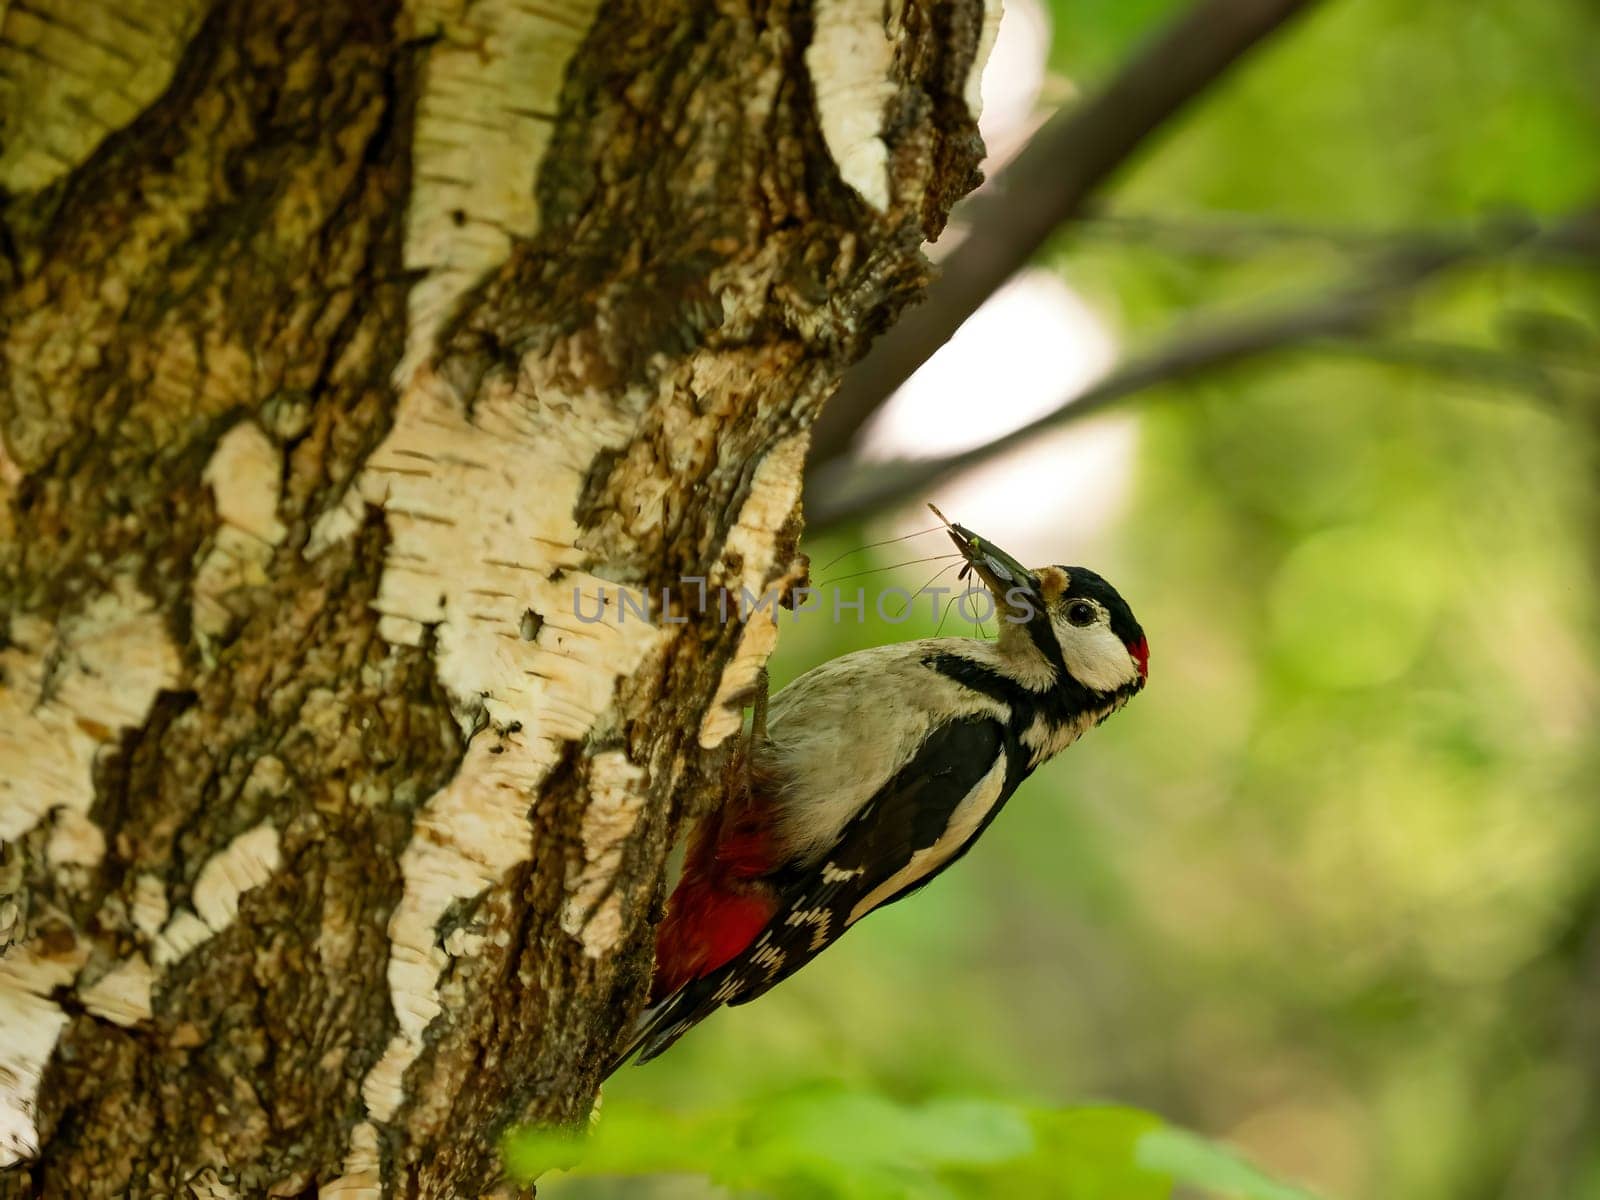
719 907
668 1020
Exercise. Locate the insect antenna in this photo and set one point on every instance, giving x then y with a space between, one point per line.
886 542
889 567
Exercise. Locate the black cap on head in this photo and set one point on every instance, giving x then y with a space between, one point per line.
1083 582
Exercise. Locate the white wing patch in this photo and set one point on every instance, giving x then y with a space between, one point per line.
964 822
767 955
819 918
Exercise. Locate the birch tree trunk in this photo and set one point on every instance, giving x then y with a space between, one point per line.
353 352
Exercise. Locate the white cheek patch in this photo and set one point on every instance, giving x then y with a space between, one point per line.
1096 657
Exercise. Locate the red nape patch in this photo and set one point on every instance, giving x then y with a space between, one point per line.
705 926
1141 655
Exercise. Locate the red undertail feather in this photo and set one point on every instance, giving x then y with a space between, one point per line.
703 929
720 905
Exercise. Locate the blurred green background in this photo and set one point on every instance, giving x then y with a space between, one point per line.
1329 890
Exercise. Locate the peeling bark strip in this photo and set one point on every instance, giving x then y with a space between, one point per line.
849 60
475 542
592 911
773 495
123 993
490 90
73 71
329 375
30 1023
993 10
245 475
65 693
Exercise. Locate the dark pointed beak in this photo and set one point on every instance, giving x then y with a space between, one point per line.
998 570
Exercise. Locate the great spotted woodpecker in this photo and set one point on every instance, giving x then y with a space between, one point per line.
875 772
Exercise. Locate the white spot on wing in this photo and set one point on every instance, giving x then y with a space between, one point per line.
818 917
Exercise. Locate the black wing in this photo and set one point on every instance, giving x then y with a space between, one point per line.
910 813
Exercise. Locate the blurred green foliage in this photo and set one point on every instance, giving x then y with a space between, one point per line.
832 1143
1330 889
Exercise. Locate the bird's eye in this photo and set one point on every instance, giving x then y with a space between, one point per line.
1081 613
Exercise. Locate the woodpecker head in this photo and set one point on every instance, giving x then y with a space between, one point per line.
1075 619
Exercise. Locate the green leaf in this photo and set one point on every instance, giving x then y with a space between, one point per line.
822 1141
1089 1154
862 1128
1194 1161
630 1141
832 1143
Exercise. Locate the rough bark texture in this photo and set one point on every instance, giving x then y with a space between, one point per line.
343 356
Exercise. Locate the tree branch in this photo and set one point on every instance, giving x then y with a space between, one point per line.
1075 152
842 489
1238 235
1547 379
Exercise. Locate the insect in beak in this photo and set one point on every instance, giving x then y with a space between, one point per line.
998 570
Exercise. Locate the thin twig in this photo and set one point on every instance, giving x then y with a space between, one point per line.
1236 235
1545 378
